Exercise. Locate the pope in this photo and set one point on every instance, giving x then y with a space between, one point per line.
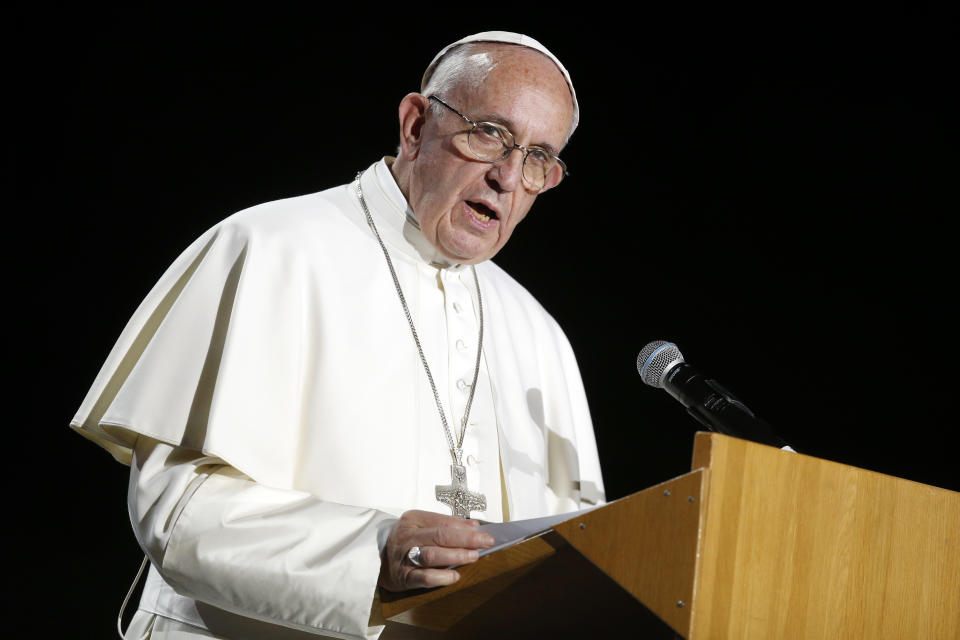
321 392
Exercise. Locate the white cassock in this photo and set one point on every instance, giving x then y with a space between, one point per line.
271 400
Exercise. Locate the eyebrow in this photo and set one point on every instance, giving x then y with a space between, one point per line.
546 146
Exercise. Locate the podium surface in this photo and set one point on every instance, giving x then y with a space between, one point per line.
755 542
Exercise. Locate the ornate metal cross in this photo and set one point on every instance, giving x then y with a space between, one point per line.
456 495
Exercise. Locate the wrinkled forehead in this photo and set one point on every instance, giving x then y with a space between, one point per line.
509 38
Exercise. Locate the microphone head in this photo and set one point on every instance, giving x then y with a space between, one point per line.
655 360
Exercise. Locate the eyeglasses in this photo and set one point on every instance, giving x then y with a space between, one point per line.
491 142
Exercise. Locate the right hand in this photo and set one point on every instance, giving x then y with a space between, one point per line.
444 541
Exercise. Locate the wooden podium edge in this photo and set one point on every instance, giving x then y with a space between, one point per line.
649 543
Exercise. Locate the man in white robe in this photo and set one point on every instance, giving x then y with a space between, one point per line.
284 436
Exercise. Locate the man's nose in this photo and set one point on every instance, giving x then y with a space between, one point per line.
507 173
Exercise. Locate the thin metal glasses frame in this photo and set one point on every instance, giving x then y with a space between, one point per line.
507 150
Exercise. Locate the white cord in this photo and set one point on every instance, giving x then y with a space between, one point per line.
123 607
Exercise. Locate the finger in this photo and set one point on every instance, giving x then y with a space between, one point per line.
431 519
445 557
430 578
457 538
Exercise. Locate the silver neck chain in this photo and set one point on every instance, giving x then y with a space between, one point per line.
456 448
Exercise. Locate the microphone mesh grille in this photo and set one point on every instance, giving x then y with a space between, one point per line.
655 359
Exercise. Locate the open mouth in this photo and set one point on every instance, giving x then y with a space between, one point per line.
482 211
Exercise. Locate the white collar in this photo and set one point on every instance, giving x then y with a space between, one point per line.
394 218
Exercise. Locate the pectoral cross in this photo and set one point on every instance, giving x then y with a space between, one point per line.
456 495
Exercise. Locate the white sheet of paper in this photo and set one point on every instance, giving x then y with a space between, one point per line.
507 534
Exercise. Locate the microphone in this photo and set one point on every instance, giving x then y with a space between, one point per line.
661 365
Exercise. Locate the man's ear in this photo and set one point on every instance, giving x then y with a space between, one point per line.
412 112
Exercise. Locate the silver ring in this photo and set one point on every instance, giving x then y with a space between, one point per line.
414 556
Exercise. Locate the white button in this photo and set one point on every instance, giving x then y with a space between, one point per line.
462 384
461 346
457 307
471 460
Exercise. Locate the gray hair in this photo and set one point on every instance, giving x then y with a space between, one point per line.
466 65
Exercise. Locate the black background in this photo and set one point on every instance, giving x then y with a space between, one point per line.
773 191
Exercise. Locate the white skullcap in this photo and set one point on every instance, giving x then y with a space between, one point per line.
510 38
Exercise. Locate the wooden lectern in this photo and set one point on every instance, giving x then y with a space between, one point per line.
755 542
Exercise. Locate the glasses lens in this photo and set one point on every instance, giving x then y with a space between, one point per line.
539 168
489 141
